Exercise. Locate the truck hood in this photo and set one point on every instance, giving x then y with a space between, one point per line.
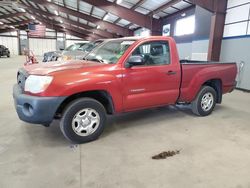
47 68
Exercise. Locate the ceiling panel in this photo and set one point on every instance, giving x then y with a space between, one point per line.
181 5
142 10
98 12
152 4
71 4
85 7
170 10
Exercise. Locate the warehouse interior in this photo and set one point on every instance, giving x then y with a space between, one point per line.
209 151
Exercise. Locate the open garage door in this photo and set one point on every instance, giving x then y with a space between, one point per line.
40 46
11 43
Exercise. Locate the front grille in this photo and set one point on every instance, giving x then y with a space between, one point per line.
22 75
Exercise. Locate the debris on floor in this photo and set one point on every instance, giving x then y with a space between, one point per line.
165 154
73 147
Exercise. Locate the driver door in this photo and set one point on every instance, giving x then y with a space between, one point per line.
156 82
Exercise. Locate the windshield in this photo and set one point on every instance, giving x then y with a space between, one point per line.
110 52
92 45
75 46
87 47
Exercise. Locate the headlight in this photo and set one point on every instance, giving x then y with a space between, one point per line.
37 84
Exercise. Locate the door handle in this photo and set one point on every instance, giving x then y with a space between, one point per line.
171 72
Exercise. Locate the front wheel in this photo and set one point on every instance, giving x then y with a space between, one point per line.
205 101
83 120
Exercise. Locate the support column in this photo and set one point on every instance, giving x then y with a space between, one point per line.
216 35
217 29
19 42
156 27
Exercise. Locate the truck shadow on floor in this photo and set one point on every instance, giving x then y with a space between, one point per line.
52 136
149 117
146 118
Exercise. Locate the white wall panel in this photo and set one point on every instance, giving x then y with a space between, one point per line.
185 50
40 46
237 29
237 14
233 3
11 43
248 31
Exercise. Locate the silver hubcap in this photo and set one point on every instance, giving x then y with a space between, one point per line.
207 101
85 122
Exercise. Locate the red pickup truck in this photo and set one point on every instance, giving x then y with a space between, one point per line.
121 75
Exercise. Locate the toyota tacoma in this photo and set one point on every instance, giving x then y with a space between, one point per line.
120 75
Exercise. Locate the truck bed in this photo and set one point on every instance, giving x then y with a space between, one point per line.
196 72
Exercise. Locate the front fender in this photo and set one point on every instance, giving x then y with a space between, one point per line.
95 82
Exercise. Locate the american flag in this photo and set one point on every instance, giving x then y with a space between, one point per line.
36 30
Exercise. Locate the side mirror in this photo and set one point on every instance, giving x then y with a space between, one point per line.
134 60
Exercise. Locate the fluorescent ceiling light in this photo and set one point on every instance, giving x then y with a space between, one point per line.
106 17
49 0
12 27
183 14
56 12
22 9
98 27
61 21
1 23
32 17
119 1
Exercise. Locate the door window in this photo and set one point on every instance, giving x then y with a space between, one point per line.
154 53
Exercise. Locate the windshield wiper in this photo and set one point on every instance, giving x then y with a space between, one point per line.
95 59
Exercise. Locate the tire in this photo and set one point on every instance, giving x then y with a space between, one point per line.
201 106
79 127
8 55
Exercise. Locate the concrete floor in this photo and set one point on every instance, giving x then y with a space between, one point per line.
215 150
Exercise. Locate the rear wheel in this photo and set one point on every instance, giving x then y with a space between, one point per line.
83 120
205 101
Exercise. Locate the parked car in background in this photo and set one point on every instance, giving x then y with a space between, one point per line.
54 55
121 75
4 51
81 52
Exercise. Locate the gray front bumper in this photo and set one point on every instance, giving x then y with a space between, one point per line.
33 109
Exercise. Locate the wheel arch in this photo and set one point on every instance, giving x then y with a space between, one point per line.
101 96
216 84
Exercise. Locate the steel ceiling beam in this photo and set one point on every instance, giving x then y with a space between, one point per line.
103 24
58 27
139 3
7 30
12 15
68 27
125 13
88 29
20 22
